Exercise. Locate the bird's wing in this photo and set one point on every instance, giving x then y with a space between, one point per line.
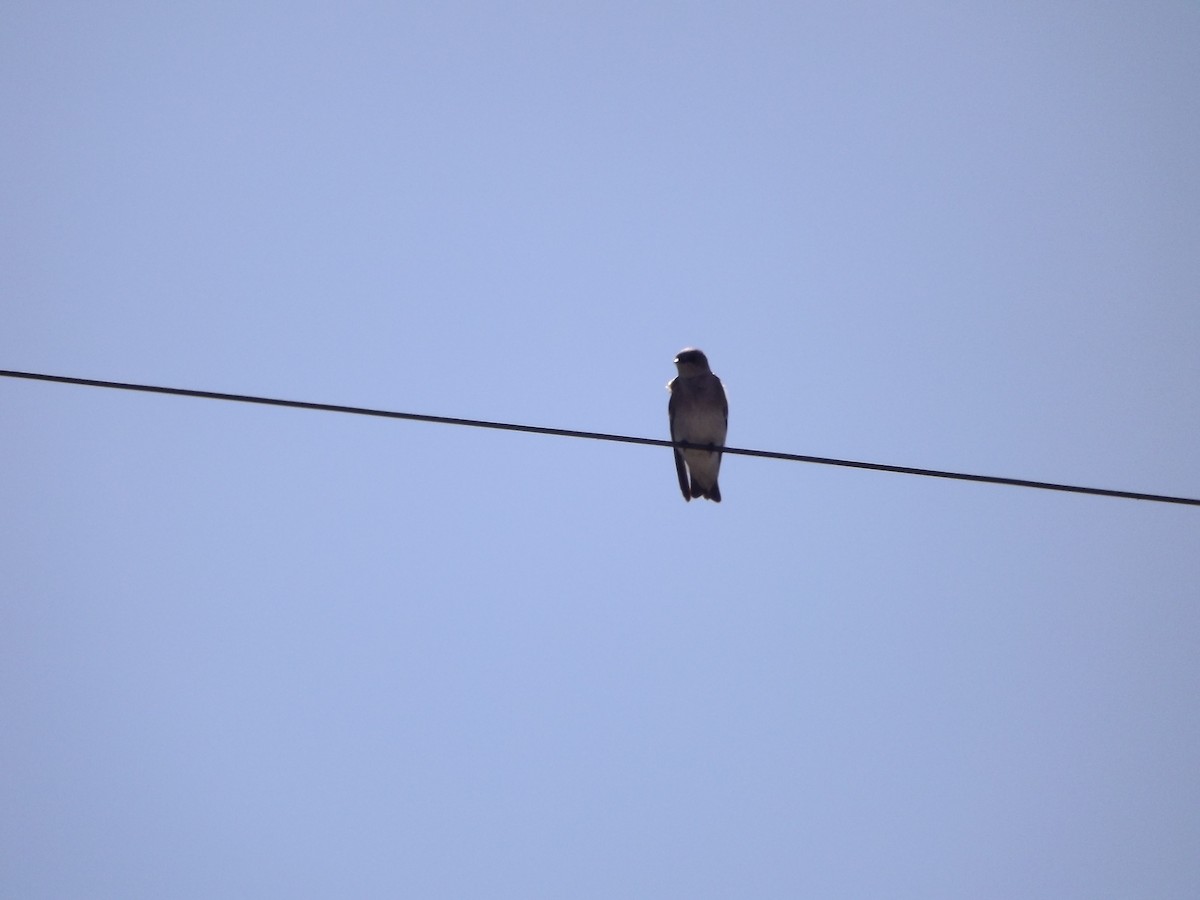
680 468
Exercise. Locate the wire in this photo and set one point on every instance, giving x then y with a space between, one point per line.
598 436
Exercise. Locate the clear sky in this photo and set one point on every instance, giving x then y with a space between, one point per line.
258 652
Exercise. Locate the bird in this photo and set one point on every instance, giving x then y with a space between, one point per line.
699 414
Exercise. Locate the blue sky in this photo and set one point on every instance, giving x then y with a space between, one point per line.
248 651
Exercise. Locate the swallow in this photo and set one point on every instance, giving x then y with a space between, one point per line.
699 414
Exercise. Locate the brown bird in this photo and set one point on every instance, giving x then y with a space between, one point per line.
699 414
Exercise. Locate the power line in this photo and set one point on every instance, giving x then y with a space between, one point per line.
597 436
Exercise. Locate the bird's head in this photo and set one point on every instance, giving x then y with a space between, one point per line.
691 361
